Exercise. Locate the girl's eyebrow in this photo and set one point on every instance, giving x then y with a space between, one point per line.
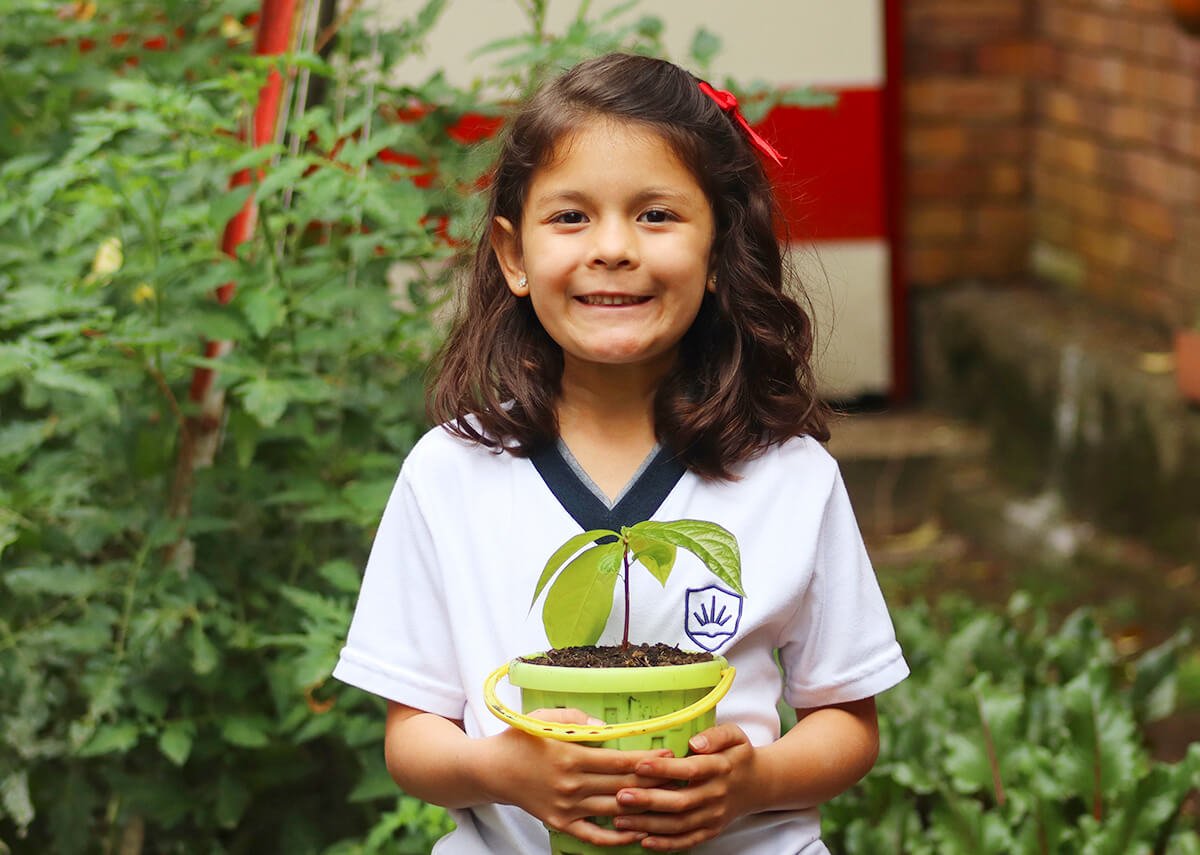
654 194
560 197
650 194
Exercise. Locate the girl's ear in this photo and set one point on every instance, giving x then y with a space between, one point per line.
508 253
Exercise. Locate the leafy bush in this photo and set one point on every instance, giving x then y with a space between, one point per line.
1011 737
166 628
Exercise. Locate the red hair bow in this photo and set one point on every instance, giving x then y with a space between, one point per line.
728 102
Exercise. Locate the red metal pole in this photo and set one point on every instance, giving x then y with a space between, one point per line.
274 36
198 443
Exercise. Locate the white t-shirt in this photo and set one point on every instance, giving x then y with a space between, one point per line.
446 598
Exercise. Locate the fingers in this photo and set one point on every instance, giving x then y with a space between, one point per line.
717 739
589 832
687 769
715 777
596 795
709 758
565 716
673 832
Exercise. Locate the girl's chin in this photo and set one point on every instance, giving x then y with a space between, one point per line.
632 358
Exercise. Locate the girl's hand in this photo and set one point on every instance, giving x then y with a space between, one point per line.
720 785
564 784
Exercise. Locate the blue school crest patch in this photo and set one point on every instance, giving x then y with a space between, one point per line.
711 616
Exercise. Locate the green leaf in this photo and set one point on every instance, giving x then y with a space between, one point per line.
263 308
313 666
111 738
581 598
711 543
134 91
657 556
26 164
315 606
14 798
148 699
55 375
204 653
395 203
224 207
232 798
808 98
343 575
649 26
369 496
1155 685
1103 756
10 528
265 399
563 553
245 431
218 324
246 731
256 156
966 762
705 46
175 741
58 581
375 782
286 174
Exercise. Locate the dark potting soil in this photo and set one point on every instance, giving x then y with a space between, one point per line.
616 656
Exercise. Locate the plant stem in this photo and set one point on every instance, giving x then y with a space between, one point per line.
1097 768
625 560
993 760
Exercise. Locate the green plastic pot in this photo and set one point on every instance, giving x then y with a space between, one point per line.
642 708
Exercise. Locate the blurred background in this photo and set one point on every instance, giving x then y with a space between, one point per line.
229 234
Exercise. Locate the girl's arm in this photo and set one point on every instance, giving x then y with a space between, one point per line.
430 757
826 753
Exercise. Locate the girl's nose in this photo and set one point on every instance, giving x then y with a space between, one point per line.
615 246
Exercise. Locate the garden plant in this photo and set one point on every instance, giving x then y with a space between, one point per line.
580 600
1016 736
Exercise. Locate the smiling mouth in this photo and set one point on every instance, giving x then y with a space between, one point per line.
611 300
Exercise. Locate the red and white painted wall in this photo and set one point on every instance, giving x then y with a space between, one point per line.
835 184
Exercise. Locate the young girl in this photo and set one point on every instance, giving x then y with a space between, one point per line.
626 351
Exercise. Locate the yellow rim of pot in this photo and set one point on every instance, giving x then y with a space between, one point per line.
599 732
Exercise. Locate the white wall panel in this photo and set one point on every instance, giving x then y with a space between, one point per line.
847 285
795 42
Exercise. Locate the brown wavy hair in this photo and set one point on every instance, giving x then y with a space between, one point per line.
743 380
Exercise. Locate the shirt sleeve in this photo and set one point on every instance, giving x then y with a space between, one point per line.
399 645
840 645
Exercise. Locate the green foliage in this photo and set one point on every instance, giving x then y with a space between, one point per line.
580 600
1011 737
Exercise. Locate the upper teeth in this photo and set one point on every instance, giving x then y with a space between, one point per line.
607 300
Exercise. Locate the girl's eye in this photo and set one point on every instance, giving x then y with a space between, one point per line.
656 215
569 218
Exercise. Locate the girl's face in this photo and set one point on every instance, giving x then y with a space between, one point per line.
614 244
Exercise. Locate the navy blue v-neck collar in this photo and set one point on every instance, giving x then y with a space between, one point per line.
642 498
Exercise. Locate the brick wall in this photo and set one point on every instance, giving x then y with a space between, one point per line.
1061 138
1116 171
969 111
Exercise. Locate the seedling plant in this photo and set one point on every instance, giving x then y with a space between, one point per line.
580 600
